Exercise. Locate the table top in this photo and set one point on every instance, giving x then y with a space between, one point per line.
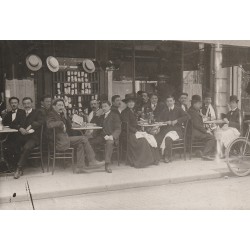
215 122
8 130
159 124
86 128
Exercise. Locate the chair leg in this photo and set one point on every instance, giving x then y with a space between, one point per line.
48 160
41 155
54 161
73 162
185 157
190 152
118 156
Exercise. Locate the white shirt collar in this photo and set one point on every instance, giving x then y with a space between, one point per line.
28 112
172 108
106 114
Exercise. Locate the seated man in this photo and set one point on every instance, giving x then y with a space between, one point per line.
116 104
183 101
198 130
57 119
13 119
156 107
231 130
144 103
95 111
30 130
111 124
174 116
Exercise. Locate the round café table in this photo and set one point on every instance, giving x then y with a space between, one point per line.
147 125
3 137
218 122
84 128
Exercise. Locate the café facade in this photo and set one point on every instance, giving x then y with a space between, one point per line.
80 71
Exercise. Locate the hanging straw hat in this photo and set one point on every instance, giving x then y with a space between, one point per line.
88 66
52 64
33 62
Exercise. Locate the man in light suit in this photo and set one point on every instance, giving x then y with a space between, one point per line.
109 136
57 119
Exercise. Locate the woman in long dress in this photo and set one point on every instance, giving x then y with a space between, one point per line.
231 130
140 152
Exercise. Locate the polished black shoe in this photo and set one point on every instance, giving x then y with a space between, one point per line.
107 168
18 173
156 163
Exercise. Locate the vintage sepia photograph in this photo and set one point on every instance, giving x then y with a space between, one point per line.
124 124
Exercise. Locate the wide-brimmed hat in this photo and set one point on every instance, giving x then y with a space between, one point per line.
196 98
52 64
233 98
129 97
88 66
33 62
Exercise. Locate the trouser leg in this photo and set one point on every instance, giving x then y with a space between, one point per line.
210 145
77 142
28 146
90 154
109 146
168 147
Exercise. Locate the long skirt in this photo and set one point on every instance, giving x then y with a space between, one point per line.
140 153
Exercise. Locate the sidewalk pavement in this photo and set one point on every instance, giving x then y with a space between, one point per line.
65 183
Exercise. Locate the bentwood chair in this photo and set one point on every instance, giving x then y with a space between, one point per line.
54 154
193 143
124 141
181 144
37 152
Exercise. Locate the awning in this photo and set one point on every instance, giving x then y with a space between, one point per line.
241 43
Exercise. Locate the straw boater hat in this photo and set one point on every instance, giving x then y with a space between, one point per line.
52 64
33 62
88 66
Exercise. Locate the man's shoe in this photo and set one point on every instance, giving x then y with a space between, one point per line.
156 163
18 173
79 171
207 158
107 168
166 160
96 163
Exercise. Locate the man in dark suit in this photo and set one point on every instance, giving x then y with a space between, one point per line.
116 104
233 116
30 130
57 119
13 119
109 136
174 116
155 106
183 98
198 130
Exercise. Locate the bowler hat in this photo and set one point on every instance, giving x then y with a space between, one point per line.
233 98
129 97
196 98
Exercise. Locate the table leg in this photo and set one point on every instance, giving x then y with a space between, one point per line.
2 159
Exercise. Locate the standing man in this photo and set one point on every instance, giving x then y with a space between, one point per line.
156 107
30 130
198 130
46 102
183 99
109 136
116 104
95 111
207 109
13 119
174 116
57 119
